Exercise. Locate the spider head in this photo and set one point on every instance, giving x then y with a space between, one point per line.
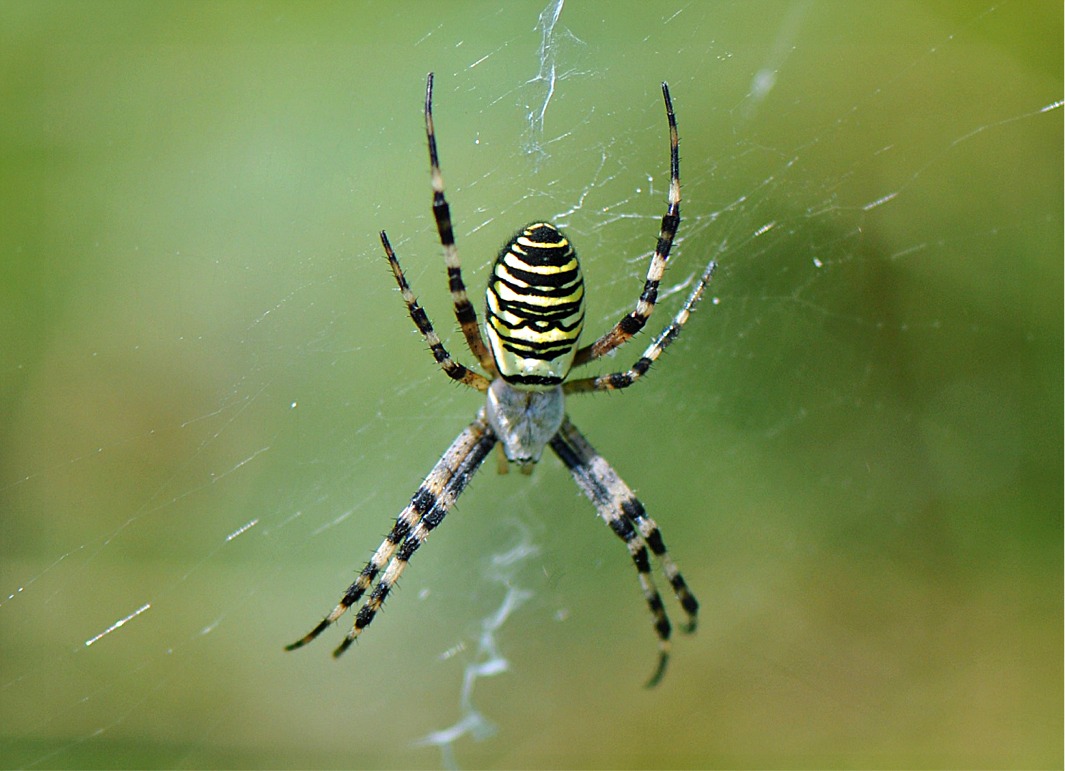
525 421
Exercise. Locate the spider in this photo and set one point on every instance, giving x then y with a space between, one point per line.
534 316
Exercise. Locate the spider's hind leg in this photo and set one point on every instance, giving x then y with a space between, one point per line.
620 509
427 509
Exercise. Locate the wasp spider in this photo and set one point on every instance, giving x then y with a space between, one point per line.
534 316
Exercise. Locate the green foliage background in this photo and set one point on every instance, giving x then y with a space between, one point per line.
855 451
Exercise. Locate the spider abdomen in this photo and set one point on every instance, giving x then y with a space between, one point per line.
535 308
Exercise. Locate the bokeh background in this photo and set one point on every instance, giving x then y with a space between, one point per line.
212 403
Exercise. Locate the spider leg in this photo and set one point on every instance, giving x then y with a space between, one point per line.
634 321
451 368
476 449
427 508
625 515
618 380
464 310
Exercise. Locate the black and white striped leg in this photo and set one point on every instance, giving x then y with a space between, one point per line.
464 310
427 508
635 321
451 368
617 380
625 515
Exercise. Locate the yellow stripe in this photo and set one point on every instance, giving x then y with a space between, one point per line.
512 260
505 294
524 240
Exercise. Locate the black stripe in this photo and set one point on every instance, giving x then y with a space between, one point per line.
355 591
533 278
541 232
538 255
539 322
632 324
624 529
442 213
654 540
422 500
532 349
465 313
454 280
633 510
642 561
532 380
543 354
536 290
544 324
399 532
368 611
662 625
650 292
534 313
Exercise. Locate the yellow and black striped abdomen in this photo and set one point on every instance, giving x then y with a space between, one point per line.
535 308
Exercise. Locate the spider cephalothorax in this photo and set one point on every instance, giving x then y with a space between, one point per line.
534 315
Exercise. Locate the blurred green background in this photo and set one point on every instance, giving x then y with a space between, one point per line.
212 402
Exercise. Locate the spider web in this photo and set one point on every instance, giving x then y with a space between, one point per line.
213 403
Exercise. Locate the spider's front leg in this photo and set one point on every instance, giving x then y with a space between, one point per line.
620 509
464 312
451 368
618 380
629 325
